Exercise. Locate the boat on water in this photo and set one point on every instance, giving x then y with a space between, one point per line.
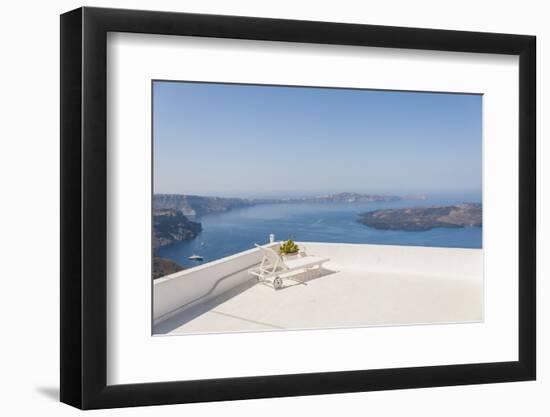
195 258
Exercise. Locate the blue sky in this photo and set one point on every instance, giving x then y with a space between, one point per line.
250 140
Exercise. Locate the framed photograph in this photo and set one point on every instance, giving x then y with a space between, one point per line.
257 208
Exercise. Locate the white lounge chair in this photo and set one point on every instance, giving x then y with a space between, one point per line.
274 265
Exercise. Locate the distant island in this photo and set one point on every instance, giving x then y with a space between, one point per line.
196 206
424 218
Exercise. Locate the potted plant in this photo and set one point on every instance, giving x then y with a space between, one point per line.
289 249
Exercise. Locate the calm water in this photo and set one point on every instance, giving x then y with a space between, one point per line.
228 233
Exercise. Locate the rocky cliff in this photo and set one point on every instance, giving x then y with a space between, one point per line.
193 205
171 226
163 266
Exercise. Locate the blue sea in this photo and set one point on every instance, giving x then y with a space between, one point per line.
227 233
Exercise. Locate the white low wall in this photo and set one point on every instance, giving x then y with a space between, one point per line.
176 292
182 290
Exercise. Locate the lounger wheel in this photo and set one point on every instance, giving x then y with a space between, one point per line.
277 283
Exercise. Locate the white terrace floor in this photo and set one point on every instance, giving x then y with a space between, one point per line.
362 285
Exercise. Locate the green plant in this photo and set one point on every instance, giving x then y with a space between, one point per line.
289 247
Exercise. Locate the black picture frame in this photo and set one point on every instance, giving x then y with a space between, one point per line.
84 207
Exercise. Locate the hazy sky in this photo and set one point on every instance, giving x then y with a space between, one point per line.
241 140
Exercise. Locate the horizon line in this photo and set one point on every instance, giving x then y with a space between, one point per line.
410 193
